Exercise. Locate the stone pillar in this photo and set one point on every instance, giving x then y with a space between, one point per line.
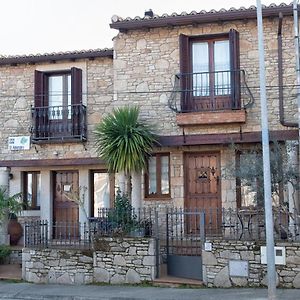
4 178
4 184
136 195
47 199
84 205
121 182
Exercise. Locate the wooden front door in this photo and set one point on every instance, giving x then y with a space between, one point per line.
202 189
65 206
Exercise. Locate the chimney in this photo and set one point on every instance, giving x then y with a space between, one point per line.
149 13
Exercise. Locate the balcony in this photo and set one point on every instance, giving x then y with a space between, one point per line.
59 123
207 98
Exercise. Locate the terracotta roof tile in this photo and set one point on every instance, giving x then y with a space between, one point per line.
121 23
56 56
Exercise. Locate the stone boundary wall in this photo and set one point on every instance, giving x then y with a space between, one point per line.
217 273
113 260
16 256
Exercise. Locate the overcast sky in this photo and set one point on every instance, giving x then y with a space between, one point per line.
45 26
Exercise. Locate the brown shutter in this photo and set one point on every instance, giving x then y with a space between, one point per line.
235 68
185 78
76 85
39 89
39 114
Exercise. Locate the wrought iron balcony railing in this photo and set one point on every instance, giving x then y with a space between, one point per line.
59 123
210 91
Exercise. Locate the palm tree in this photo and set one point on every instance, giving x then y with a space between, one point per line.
124 142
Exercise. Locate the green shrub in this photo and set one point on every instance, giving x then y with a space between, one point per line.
5 251
122 218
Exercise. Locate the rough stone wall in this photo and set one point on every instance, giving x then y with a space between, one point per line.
125 261
17 97
216 264
115 261
146 61
16 256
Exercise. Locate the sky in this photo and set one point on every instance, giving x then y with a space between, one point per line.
46 26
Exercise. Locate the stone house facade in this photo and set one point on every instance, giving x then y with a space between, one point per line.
194 77
56 100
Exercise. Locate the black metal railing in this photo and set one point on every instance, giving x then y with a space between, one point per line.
209 91
172 226
63 123
44 234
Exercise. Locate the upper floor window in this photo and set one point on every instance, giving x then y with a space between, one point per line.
157 179
58 113
59 95
209 72
31 182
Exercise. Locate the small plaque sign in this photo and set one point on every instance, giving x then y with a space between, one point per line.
238 268
19 143
208 246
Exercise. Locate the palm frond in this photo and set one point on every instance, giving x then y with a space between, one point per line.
124 141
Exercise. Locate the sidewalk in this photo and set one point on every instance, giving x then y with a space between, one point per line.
17 291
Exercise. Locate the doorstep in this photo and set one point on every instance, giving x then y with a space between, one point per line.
166 280
170 281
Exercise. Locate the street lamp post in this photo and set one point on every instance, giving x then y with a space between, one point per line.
271 271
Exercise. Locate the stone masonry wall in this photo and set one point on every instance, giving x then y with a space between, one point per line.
17 97
216 264
145 62
115 261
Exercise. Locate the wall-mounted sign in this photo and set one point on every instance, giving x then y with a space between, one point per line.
239 268
19 143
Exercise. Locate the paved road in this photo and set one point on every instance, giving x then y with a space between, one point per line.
16 291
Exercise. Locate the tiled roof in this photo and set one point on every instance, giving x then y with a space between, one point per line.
203 16
58 56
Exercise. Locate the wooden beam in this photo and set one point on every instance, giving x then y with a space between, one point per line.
52 162
225 138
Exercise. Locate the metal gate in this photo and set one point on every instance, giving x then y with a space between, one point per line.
185 236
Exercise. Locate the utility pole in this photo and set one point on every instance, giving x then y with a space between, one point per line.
271 271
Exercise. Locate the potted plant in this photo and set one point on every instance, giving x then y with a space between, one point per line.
10 206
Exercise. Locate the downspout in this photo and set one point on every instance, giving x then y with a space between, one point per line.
280 77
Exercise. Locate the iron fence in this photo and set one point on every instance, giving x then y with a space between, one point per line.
45 234
168 225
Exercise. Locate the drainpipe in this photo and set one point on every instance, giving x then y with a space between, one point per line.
283 122
296 32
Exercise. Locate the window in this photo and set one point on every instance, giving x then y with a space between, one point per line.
102 191
31 182
58 112
209 68
157 179
59 95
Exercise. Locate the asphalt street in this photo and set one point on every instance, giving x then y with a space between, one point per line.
108 292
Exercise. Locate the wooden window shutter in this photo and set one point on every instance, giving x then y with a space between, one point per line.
185 78
76 85
235 68
39 89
